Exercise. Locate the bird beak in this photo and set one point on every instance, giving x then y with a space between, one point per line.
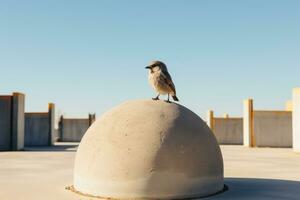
148 67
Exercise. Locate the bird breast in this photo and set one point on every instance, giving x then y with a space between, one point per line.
158 83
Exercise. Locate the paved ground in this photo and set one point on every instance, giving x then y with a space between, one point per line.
43 174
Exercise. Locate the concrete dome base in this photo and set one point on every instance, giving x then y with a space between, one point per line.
149 149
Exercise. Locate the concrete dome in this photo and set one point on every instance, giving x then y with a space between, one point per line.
149 149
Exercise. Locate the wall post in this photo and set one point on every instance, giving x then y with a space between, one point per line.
248 138
60 128
296 119
289 105
92 119
225 115
51 113
18 121
210 119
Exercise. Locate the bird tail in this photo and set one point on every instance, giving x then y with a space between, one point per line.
175 98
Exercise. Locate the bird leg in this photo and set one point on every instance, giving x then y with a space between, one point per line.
168 101
156 98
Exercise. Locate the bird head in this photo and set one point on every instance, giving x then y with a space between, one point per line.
157 66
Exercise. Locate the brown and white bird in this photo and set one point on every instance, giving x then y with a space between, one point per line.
161 81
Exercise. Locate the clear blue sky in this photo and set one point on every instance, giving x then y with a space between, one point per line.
87 56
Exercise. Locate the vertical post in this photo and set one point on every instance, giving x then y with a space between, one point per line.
18 121
249 139
92 118
60 128
210 119
51 115
296 119
289 106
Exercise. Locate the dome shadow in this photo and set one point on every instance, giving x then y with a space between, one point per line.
259 189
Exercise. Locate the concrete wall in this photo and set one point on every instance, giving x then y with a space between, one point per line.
296 119
266 128
72 130
12 122
39 128
227 130
273 128
5 122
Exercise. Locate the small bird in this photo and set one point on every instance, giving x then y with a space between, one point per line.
161 81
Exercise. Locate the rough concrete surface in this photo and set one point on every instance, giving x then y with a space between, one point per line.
138 148
5 123
228 130
37 129
256 173
72 130
273 128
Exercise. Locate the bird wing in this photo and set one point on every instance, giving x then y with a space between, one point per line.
168 80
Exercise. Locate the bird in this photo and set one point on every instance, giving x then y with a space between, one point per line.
161 81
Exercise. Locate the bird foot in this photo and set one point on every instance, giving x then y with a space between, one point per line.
168 101
155 99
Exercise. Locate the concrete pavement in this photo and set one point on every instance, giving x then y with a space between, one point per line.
43 173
